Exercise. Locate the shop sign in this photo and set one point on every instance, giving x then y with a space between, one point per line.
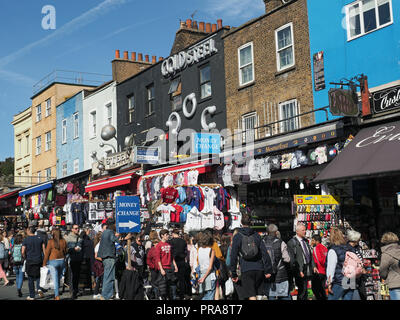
386 100
319 74
183 59
127 214
206 143
343 102
315 199
147 155
117 160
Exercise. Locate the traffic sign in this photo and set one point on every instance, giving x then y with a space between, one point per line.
127 214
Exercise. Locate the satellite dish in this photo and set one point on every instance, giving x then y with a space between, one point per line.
108 132
129 141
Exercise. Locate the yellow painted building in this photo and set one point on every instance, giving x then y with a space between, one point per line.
44 122
22 123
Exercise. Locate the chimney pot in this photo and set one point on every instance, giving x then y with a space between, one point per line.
201 26
140 58
153 59
160 58
133 56
189 23
214 27
126 57
117 56
219 22
195 26
208 27
147 57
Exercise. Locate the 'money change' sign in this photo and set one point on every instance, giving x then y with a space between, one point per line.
127 214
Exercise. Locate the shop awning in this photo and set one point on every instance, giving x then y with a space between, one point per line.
202 167
37 188
374 151
111 182
9 194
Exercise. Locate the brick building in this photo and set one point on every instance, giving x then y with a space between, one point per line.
268 71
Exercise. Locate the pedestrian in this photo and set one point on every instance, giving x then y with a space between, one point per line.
6 263
255 264
277 286
98 268
151 262
226 242
138 258
33 251
3 257
302 264
338 286
11 239
74 245
41 232
319 279
54 258
390 264
353 238
167 266
179 253
88 255
18 262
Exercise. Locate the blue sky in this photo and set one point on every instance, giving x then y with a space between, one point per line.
85 39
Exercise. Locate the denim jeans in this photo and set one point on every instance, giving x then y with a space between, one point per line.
394 294
56 269
99 280
210 294
19 276
339 293
108 278
31 285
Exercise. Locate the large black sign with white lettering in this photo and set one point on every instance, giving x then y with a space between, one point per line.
386 100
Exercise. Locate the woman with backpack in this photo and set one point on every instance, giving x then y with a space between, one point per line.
3 257
335 261
18 262
389 269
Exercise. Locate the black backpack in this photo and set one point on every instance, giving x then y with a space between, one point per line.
275 260
249 248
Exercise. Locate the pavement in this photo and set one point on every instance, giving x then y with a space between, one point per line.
9 292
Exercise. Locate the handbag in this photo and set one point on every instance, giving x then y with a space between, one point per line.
228 287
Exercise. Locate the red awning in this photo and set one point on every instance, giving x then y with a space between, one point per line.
9 194
202 167
111 182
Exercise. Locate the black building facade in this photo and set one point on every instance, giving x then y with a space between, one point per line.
185 90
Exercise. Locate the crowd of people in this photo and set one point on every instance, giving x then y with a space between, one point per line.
173 265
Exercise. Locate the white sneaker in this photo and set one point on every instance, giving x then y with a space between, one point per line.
29 298
117 296
96 296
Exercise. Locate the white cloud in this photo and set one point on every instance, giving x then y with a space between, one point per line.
76 23
241 9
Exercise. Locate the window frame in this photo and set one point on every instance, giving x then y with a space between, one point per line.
93 124
296 113
131 109
278 60
64 131
362 27
28 151
47 141
205 82
38 114
48 108
241 67
76 166
64 166
48 176
38 146
256 124
150 100
108 120
19 147
39 176
76 124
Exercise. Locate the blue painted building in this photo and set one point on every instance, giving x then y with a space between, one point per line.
69 136
356 37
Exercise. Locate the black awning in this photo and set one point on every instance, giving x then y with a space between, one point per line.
374 151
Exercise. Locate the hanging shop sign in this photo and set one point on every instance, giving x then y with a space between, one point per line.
147 155
184 59
206 143
343 102
319 74
386 100
117 160
315 199
127 214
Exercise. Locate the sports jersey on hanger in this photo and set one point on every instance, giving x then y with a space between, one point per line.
193 221
227 175
218 219
236 221
209 196
207 220
169 194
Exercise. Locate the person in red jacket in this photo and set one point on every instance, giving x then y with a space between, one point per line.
164 261
319 279
152 264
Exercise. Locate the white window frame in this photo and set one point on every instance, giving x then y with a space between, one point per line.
38 145
243 124
241 67
48 176
64 131
205 82
28 151
93 124
108 119
19 147
39 175
278 60
47 146
131 108
75 118
150 100
296 120
76 165
359 2
38 113
48 107
64 169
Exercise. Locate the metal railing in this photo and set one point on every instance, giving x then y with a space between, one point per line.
22 181
73 77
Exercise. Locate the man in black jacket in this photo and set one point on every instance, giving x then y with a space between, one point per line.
254 270
179 252
301 261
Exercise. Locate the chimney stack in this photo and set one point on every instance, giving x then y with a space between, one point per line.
201 26
214 27
140 57
133 56
189 23
126 57
195 26
160 59
219 22
208 27
153 59
147 58
117 54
